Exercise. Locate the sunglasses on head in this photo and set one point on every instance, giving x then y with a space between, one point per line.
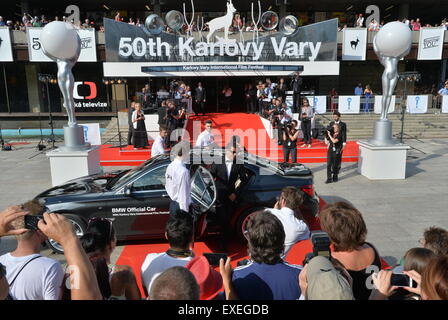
102 219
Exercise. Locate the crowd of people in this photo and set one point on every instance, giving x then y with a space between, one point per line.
374 25
352 271
239 23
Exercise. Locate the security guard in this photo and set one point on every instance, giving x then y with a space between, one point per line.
334 155
177 177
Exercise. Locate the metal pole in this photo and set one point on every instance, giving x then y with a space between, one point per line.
403 109
6 89
51 116
116 111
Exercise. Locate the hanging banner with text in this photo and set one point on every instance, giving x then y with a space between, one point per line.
354 44
130 43
5 45
318 103
431 43
88 45
378 101
417 104
349 104
445 104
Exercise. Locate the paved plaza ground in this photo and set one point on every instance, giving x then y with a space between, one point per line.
396 212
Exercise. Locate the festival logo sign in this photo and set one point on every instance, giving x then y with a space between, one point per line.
88 45
5 45
354 44
431 43
152 43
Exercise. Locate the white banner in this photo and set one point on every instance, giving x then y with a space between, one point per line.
318 103
417 104
349 104
92 133
5 45
445 104
88 45
430 44
377 106
354 44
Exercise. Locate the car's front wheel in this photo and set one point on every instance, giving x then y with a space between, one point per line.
79 226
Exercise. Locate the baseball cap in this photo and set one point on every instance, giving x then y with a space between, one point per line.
325 282
209 280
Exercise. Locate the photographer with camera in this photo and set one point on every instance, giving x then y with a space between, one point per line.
30 275
287 210
45 280
290 135
306 118
283 118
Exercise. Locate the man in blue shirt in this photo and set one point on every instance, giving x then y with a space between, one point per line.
358 90
444 90
266 276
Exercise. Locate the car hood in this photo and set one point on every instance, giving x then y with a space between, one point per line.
89 184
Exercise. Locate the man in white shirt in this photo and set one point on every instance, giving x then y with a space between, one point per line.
287 211
30 275
205 139
179 232
158 147
178 185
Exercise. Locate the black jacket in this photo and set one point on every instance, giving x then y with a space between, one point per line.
200 95
226 186
343 128
130 112
296 84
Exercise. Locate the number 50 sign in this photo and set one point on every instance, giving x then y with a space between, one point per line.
88 45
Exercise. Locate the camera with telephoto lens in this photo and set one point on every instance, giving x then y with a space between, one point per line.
321 246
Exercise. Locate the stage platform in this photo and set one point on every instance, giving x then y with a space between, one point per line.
253 136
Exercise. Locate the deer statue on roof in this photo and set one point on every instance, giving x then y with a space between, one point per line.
222 22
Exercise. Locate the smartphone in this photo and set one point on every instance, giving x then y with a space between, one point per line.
402 280
213 258
31 222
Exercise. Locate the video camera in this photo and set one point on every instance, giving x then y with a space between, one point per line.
321 246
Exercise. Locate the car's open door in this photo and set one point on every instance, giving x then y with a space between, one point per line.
203 196
203 189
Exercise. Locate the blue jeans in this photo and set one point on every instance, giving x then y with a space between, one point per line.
287 151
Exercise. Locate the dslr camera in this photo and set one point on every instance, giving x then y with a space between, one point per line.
321 246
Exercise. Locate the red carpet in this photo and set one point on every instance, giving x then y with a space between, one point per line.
253 136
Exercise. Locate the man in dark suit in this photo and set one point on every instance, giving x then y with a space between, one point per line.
200 98
343 134
130 123
230 177
296 87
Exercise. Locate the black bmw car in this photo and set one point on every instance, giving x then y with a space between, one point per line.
136 201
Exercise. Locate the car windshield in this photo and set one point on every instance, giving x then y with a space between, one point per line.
125 175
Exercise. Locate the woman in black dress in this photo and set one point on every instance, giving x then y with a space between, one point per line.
140 134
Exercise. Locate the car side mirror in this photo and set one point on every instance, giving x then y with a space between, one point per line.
128 190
